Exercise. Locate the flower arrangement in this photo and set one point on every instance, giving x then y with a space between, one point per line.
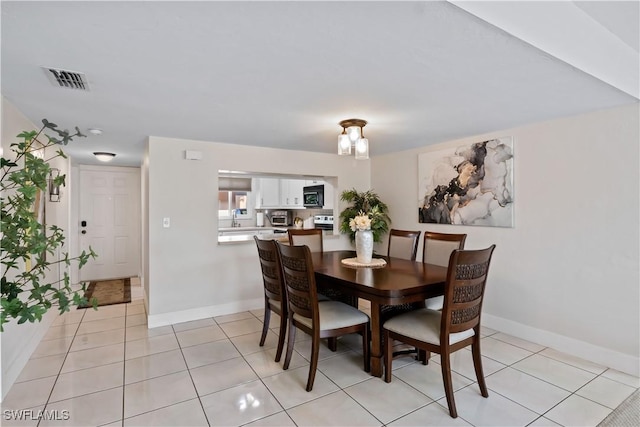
366 210
360 222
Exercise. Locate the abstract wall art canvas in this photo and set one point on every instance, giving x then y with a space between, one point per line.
468 184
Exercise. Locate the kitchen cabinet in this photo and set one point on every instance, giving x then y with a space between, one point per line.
291 193
268 193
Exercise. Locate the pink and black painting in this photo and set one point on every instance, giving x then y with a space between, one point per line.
468 184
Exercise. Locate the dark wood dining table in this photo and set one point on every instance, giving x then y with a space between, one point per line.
400 281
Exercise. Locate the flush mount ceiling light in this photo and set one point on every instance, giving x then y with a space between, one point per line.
353 136
104 156
94 131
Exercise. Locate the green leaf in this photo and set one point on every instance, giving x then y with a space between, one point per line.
27 294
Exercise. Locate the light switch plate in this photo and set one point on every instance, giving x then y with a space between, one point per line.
166 222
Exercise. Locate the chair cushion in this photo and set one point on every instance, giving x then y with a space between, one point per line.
435 303
322 297
334 315
423 325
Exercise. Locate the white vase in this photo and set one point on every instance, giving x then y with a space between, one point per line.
364 246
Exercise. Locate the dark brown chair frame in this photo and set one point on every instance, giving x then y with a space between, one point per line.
444 237
415 235
302 297
274 290
447 237
464 294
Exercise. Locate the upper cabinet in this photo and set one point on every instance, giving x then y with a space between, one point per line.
283 193
268 193
279 193
291 193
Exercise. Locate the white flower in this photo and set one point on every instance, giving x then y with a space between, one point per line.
360 223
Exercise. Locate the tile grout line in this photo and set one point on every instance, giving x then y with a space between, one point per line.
61 366
204 412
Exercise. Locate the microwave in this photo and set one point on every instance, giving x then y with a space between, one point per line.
280 218
313 196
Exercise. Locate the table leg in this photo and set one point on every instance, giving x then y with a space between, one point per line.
376 340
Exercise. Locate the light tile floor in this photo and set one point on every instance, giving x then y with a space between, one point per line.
106 368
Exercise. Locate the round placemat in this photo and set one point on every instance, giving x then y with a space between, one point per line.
353 262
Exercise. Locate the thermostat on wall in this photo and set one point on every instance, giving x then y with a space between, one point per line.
193 155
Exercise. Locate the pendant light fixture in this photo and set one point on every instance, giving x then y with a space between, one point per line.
353 136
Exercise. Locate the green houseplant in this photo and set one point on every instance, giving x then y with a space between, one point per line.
26 241
367 203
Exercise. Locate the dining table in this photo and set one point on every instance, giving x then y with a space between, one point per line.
399 282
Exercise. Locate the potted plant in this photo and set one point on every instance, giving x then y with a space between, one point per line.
26 241
365 203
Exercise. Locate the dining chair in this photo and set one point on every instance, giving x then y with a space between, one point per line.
312 237
455 327
274 290
403 244
324 319
436 249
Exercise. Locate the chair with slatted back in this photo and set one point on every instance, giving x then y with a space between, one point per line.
311 237
325 319
436 249
455 327
274 291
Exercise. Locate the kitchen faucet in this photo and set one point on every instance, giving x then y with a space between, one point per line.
234 221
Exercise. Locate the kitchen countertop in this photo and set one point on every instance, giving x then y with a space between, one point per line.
239 229
230 235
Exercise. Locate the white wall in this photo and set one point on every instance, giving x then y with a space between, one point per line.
566 275
189 275
18 342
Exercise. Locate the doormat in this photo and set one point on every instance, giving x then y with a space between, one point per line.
627 414
107 292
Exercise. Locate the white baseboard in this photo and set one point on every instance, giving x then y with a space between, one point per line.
16 358
156 320
626 363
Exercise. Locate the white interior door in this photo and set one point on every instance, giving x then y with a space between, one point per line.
110 221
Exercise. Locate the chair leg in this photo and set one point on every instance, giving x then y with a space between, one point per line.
423 356
388 356
477 364
292 338
448 385
281 335
366 352
332 343
315 350
265 325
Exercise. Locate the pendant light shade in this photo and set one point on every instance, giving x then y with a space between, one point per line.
362 149
344 144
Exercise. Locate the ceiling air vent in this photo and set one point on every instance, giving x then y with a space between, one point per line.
66 78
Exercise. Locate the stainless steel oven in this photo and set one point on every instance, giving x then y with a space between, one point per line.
324 222
313 196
